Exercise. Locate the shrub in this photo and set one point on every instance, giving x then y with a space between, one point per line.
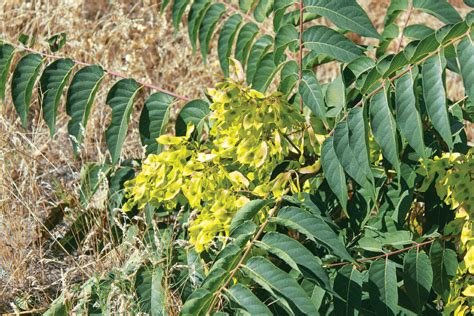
349 197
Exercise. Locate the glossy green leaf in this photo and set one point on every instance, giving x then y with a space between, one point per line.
358 139
348 284
417 31
384 128
418 277
52 83
408 118
208 26
244 41
346 14
262 10
296 256
226 41
268 275
347 157
179 6
150 291
247 300
6 55
247 212
465 52
312 94
80 97
435 97
23 81
440 9
314 227
120 99
444 263
383 290
286 36
258 51
324 40
196 15
333 172
193 112
153 120
265 72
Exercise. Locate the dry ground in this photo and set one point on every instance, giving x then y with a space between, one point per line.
38 173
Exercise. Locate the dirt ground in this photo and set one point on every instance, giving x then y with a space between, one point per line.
38 173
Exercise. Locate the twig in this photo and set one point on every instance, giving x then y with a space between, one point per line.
244 255
385 255
410 11
109 72
300 52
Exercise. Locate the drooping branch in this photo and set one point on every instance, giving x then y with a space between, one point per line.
109 72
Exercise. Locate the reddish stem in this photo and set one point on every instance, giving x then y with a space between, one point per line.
300 53
111 73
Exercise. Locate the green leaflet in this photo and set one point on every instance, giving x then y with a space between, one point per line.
334 173
417 31
312 94
52 83
193 112
197 303
6 55
258 51
247 212
348 284
408 117
120 99
286 36
226 41
279 10
347 158
323 40
208 25
265 72
418 277
444 263
346 14
358 139
244 40
245 5
296 256
288 77
314 227
247 300
425 47
23 81
195 17
384 129
383 290
153 120
394 10
92 175
440 9
269 276
465 52
435 97
149 290
179 6
262 10
116 194
80 97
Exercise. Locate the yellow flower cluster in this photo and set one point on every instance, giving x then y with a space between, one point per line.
250 134
454 175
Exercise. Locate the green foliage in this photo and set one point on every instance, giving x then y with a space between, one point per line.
265 230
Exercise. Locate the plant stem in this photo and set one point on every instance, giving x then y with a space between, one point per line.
300 52
109 72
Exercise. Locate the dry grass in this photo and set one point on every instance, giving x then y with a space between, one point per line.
37 172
